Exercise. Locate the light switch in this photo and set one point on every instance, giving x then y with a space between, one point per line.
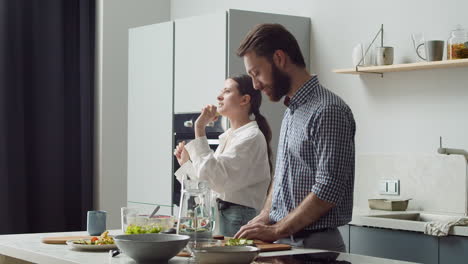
393 187
389 187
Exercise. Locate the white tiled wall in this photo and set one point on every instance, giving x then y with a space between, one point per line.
436 183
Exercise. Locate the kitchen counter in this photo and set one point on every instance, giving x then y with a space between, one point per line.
29 247
364 217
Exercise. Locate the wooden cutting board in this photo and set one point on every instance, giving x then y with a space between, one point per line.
263 246
266 247
62 240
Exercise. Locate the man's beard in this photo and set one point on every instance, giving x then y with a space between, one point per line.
281 84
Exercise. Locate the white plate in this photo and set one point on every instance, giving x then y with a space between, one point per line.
71 244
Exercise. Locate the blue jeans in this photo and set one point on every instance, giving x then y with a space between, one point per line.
327 240
233 218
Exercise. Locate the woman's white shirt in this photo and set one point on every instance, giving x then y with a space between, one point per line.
238 171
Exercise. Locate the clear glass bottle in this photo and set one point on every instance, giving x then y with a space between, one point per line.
457 44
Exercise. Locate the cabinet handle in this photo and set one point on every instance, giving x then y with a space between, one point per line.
188 123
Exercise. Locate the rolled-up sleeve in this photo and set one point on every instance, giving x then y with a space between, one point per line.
228 169
333 136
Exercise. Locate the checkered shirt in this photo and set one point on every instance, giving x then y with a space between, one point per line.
315 154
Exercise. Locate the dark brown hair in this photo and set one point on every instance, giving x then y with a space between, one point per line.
265 39
245 86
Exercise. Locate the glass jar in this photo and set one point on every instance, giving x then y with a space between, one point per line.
457 44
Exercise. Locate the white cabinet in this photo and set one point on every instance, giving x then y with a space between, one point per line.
199 61
150 110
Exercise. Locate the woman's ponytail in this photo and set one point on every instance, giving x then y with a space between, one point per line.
266 130
245 86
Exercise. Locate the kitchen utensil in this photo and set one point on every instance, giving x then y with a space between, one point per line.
434 50
388 204
151 248
226 255
154 211
96 222
384 55
267 247
62 240
114 252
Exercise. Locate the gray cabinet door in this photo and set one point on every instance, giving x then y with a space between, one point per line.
344 230
394 244
150 106
453 250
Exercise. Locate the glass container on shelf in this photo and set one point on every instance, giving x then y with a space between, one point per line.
457 44
196 211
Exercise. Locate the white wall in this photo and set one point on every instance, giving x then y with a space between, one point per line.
114 18
403 112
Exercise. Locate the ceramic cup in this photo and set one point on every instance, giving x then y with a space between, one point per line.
434 50
96 222
384 55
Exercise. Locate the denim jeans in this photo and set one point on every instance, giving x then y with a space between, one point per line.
327 240
233 218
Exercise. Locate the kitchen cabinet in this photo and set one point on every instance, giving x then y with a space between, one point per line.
199 61
394 244
344 230
150 111
453 250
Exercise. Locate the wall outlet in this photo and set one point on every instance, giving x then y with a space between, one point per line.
389 187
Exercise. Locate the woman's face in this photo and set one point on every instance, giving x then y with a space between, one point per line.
229 100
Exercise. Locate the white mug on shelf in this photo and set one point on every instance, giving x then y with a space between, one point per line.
358 53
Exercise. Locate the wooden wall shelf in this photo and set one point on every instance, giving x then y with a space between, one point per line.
406 67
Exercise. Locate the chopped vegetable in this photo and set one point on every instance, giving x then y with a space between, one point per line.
239 242
136 229
103 239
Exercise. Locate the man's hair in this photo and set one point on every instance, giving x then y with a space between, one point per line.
265 39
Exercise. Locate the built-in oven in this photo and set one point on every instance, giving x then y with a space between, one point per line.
184 131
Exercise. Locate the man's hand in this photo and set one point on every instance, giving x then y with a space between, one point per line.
181 153
267 233
262 218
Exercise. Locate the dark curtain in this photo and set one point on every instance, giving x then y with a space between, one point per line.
46 114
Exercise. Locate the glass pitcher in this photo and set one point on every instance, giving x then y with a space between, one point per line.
196 211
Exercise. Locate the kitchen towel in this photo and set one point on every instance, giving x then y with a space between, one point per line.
443 228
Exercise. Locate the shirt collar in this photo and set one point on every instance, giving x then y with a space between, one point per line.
301 96
238 130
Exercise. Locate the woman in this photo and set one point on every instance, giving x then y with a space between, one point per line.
239 171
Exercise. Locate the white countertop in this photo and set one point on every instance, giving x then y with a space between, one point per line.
361 217
30 248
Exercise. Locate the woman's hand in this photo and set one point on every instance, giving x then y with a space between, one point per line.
207 115
181 153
